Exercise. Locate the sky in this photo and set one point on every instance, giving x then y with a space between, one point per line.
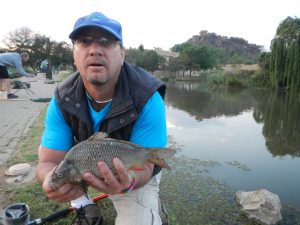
153 23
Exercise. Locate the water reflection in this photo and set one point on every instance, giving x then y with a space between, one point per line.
278 112
280 115
202 103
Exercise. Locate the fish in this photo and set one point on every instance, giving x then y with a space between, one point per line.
84 157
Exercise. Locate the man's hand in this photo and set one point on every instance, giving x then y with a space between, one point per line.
111 184
48 161
116 183
65 193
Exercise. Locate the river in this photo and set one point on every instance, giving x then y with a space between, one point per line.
229 141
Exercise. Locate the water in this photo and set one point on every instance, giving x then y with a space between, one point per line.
252 136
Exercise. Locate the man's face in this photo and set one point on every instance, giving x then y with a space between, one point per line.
25 58
98 56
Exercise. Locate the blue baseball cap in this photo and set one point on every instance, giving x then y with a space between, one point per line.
98 20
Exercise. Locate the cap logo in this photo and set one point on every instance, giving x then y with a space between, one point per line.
95 17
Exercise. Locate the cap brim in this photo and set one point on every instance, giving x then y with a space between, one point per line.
77 31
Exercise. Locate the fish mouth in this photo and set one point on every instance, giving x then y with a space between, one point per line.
51 185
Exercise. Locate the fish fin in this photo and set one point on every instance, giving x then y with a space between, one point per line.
158 156
160 162
162 153
98 136
84 185
137 167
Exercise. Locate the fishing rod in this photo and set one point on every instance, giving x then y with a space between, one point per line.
61 213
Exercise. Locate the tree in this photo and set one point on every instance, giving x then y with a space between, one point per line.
141 48
264 64
147 59
38 50
181 47
62 54
20 40
285 55
37 45
197 57
132 55
175 64
150 60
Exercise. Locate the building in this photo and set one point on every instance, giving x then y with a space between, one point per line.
166 54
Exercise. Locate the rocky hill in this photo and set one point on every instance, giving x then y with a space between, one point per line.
233 48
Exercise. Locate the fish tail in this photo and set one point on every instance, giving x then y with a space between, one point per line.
158 156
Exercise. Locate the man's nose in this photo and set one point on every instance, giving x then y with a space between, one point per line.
96 48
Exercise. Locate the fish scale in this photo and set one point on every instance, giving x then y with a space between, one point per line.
105 150
85 156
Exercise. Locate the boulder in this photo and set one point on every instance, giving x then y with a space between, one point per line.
262 206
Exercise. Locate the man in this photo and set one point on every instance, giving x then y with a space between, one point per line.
106 94
44 66
15 60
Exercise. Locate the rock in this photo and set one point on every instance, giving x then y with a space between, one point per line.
261 205
20 179
14 179
18 169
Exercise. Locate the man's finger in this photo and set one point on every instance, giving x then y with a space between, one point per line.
109 177
95 182
122 172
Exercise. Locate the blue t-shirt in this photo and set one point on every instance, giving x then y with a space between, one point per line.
149 130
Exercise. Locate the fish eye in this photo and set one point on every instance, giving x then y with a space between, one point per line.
59 175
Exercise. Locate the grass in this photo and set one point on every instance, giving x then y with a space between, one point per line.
234 79
230 81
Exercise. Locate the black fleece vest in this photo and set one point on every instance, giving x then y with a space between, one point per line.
133 89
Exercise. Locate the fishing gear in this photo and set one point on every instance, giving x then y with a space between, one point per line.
18 214
61 213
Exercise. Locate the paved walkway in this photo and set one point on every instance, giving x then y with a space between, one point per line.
17 115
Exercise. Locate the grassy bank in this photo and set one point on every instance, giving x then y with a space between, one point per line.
238 77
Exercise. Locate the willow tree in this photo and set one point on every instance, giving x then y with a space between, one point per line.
285 55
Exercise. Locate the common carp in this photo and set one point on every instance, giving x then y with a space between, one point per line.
85 156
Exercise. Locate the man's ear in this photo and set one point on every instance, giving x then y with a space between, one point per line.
123 54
